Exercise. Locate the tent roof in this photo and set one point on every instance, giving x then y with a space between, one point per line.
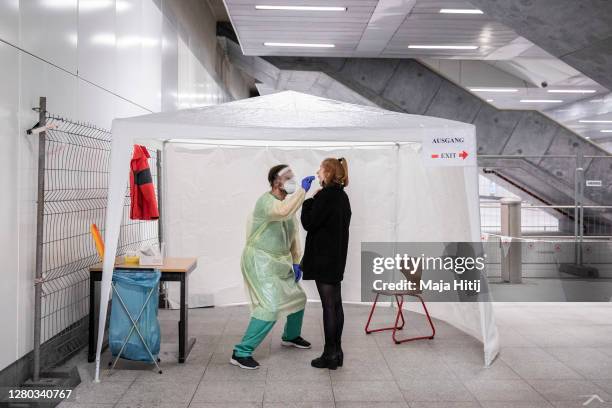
286 115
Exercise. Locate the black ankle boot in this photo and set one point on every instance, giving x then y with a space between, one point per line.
340 355
326 361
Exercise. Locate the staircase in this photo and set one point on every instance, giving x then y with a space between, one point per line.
406 85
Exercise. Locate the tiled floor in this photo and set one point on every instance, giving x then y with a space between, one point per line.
553 355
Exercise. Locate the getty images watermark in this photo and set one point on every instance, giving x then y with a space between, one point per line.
473 271
412 267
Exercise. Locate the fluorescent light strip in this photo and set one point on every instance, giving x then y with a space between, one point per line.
490 100
444 47
595 121
606 131
541 101
300 8
493 89
278 44
579 91
460 11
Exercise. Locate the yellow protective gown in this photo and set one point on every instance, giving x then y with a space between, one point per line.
271 249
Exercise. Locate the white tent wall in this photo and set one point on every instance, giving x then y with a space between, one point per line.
291 116
205 216
440 204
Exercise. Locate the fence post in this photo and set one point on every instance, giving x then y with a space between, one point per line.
40 209
579 209
511 261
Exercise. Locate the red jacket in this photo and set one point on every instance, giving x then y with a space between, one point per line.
142 190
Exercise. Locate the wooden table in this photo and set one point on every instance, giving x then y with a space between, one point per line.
173 270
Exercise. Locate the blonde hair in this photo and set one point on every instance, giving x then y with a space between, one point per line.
337 171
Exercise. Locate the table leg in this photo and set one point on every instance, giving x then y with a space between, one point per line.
185 343
91 352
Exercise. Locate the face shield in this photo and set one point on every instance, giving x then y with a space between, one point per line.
288 180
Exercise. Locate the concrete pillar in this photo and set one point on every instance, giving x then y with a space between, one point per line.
511 261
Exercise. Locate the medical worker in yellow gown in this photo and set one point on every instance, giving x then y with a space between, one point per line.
270 266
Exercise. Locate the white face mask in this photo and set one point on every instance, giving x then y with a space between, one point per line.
289 186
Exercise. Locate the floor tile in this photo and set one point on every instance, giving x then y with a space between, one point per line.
498 370
515 404
362 366
548 350
352 404
103 392
225 405
553 370
567 390
72 404
296 390
502 390
230 391
441 404
434 390
605 385
366 391
152 405
155 392
303 404
224 371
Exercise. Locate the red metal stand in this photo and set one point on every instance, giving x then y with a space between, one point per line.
400 315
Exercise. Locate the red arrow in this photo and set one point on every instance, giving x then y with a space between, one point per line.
435 156
463 154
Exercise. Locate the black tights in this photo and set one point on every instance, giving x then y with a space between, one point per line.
333 315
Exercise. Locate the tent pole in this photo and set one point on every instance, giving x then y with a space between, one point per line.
160 226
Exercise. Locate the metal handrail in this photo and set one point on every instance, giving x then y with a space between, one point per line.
495 205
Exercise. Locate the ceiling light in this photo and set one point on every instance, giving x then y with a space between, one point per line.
580 91
444 47
587 137
541 101
493 89
606 131
460 11
490 100
595 121
300 8
279 44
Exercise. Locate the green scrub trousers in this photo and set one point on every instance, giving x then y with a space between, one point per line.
259 329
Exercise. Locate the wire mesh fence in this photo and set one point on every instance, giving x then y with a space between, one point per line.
75 175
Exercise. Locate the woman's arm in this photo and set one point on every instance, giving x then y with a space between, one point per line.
316 211
285 209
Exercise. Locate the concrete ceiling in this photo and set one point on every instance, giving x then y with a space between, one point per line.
385 29
578 32
368 28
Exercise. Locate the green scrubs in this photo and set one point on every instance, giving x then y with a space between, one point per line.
267 267
259 329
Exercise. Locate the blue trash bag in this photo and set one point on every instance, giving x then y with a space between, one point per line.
134 286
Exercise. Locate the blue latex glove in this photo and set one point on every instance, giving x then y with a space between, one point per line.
306 182
297 271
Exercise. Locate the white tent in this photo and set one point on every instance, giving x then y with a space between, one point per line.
446 205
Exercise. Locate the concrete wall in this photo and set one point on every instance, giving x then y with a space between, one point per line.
94 60
406 85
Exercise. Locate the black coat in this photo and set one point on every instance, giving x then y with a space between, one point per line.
326 218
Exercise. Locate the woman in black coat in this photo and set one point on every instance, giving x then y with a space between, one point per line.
326 218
